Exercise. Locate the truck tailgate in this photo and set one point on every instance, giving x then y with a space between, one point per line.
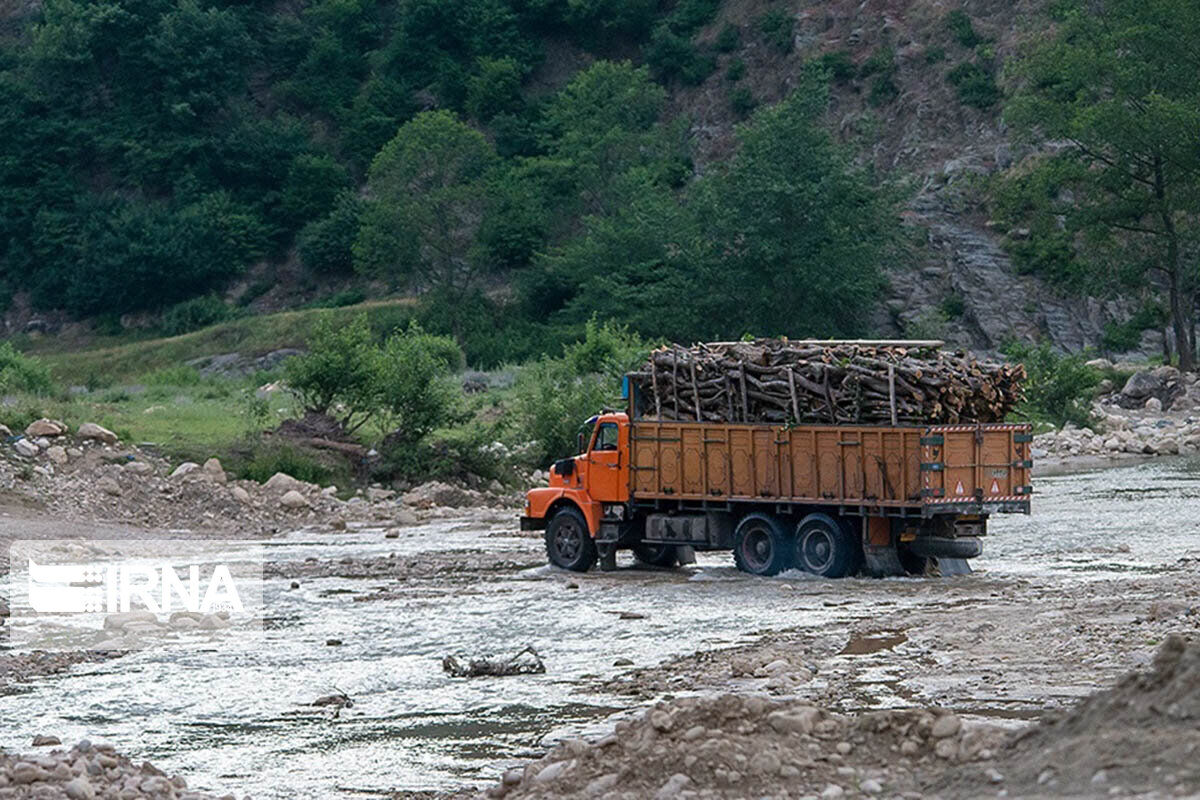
972 469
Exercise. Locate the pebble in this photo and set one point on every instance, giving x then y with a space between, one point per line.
41 740
832 790
871 786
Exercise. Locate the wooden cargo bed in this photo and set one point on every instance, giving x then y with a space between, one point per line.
940 469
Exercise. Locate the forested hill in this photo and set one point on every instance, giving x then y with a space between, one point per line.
695 169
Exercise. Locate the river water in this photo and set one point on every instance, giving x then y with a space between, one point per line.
230 716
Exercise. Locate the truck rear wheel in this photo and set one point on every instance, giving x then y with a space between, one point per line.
568 543
825 548
761 546
656 555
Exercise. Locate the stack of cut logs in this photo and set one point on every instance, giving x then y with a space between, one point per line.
835 382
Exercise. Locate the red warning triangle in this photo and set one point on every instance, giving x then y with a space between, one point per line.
995 486
959 490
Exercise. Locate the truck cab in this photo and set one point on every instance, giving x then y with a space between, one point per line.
581 489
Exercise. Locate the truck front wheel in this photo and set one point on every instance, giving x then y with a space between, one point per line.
568 543
825 548
761 546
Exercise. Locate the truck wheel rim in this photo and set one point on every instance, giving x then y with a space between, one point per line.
567 540
757 548
816 549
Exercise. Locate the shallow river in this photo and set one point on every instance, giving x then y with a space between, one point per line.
231 719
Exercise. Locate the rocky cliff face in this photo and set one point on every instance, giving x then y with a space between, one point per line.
923 135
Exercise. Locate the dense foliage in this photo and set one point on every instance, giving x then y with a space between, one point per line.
156 150
1121 205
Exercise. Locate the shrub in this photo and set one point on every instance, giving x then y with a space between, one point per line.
415 394
340 368
777 25
962 29
736 70
194 314
727 40
1058 388
838 64
976 86
935 55
881 62
742 101
264 461
953 306
346 297
403 383
22 373
673 56
1122 337
883 91
553 396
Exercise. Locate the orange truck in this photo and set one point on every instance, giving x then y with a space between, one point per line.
827 499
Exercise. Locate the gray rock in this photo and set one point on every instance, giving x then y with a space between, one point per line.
109 487
139 468
240 494
24 772
186 468
46 427
293 500
282 482
57 454
214 470
42 740
90 430
945 726
79 789
26 448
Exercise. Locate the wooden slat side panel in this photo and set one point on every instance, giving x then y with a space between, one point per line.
803 460
829 465
997 458
873 465
958 455
851 445
644 458
692 480
670 466
716 461
741 462
766 463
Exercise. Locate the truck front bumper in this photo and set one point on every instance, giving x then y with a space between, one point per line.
533 523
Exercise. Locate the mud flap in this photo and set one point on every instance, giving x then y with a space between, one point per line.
685 554
608 556
882 562
941 566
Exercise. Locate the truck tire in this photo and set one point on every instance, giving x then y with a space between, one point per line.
761 546
656 555
568 543
825 548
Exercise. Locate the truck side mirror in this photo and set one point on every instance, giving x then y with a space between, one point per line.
579 442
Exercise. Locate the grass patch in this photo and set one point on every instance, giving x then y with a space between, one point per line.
124 362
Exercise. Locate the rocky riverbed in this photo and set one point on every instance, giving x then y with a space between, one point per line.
723 685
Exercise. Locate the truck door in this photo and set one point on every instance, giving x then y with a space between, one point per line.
605 476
